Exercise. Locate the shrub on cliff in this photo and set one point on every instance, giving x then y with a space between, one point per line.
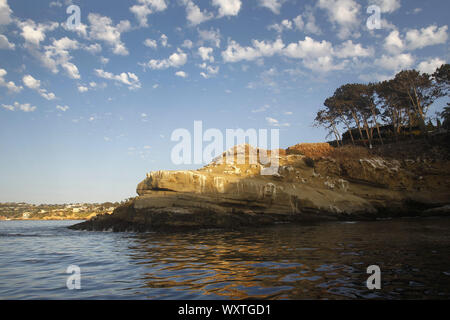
309 162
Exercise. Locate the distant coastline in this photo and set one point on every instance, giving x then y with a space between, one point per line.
79 211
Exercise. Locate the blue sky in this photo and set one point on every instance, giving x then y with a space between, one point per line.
85 113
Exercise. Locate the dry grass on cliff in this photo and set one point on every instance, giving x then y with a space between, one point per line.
311 150
318 150
349 153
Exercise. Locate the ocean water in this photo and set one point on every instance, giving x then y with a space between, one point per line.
317 261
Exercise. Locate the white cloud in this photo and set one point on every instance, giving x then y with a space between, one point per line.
104 60
34 33
127 78
5 44
35 84
8 107
57 54
393 43
82 88
227 7
25 107
307 22
175 60
102 28
309 48
211 36
344 14
396 62
194 15
31 82
261 109
315 55
209 70
164 40
55 4
93 48
206 54
5 12
187 44
181 74
349 50
430 66
282 26
386 6
272 5
415 39
62 108
275 123
10 85
150 43
424 37
143 8
235 52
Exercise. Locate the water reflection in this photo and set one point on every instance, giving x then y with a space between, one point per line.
326 261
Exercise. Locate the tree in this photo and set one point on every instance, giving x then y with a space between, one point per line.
442 78
445 114
327 119
417 91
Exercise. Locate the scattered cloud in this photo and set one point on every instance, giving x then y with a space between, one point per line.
386 6
102 29
35 84
62 108
261 109
209 70
430 66
175 60
343 14
25 107
194 14
206 54
10 85
5 13
127 78
395 62
5 44
272 5
150 43
227 7
431 35
82 88
210 36
181 74
143 8
187 44
275 123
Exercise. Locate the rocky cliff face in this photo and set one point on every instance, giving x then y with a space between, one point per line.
228 195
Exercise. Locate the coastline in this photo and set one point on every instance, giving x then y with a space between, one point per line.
332 185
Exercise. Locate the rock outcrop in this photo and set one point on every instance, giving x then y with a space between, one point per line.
231 195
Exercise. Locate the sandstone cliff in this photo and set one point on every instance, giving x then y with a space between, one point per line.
229 195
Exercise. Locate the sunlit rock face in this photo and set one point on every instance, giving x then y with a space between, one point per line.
231 192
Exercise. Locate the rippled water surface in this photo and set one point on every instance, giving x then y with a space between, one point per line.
323 261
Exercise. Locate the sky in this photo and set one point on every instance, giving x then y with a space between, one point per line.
86 109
